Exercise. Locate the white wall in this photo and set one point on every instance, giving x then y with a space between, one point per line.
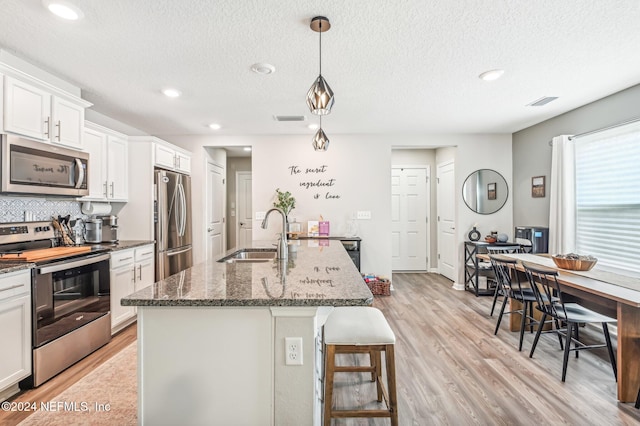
361 168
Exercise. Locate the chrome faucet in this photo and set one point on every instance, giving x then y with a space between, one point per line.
282 249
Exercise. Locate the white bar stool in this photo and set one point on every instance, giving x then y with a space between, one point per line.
360 329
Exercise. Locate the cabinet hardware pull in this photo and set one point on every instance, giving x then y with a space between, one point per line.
59 126
46 133
140 272
111 189
105 189
134 275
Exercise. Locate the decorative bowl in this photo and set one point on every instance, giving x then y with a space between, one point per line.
582 263
490 239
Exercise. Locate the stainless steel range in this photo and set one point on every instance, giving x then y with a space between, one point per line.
70 294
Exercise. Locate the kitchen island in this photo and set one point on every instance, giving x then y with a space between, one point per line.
211 339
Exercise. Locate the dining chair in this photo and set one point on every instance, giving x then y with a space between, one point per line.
501 250
550 302
513 289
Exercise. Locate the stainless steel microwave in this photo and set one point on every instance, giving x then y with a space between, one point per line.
30 167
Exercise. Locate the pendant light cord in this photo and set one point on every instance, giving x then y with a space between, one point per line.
320 50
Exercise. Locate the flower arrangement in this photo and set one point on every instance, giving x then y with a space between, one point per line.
285 201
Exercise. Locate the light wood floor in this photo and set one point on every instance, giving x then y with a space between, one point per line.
451 369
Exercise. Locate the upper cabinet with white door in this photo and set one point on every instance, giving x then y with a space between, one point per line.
171 157
32 111
39 105
108 163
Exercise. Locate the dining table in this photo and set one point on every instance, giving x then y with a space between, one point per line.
609 293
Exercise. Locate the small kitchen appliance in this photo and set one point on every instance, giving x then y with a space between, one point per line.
535 237
109 229
93 230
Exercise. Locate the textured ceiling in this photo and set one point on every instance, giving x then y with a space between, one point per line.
401 66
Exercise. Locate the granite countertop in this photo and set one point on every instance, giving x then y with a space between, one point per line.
121 245
317 273
9 266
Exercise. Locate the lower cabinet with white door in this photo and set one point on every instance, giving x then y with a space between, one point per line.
144 267
131 270
15 329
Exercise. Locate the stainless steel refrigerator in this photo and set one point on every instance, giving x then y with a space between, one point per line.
173 223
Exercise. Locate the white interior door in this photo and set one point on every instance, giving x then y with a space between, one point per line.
409 203
244 224
446 221
215 210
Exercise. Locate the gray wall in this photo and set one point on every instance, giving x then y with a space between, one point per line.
532 152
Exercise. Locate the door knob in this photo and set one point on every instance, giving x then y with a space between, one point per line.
209 229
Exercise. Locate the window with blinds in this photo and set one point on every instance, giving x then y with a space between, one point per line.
608 198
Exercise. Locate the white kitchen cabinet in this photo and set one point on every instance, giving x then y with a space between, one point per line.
144 267
15 323
122 284
67 123
33 111
131 270
27 109
172 158
108 163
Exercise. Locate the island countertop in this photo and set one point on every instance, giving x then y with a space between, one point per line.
317 273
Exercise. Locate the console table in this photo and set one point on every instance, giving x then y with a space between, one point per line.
474 267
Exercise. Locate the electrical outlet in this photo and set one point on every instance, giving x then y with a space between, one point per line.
260 215
363 214
293 350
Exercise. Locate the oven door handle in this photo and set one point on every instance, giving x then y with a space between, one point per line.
64 265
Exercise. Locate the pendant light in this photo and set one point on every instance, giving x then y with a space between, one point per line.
320 96
320 140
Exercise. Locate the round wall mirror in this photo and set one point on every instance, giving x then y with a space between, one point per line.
485 191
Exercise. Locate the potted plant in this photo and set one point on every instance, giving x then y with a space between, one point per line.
285 202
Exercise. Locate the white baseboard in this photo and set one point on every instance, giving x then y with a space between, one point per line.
458 286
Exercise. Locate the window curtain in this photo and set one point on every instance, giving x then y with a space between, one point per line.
562 195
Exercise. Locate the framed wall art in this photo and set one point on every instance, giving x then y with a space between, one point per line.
491 191
538 187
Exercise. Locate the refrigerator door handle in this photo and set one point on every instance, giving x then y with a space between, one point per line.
161 203
173 253
183 210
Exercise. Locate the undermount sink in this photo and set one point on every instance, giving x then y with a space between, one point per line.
250 255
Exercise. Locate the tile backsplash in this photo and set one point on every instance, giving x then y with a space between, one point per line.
12 209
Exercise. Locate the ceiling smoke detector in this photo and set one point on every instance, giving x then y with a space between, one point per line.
543 101
263 68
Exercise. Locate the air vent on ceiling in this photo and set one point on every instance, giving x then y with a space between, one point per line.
543 101
289 117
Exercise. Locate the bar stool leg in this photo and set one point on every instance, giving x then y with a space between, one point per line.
330 364
378 374
390 358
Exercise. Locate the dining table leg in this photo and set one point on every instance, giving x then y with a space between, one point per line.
628 352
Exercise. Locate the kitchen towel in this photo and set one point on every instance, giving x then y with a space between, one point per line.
91 208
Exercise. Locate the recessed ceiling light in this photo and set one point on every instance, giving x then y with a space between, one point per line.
171 93
491 75
263 68
312 126
63 9
214 126
247 148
